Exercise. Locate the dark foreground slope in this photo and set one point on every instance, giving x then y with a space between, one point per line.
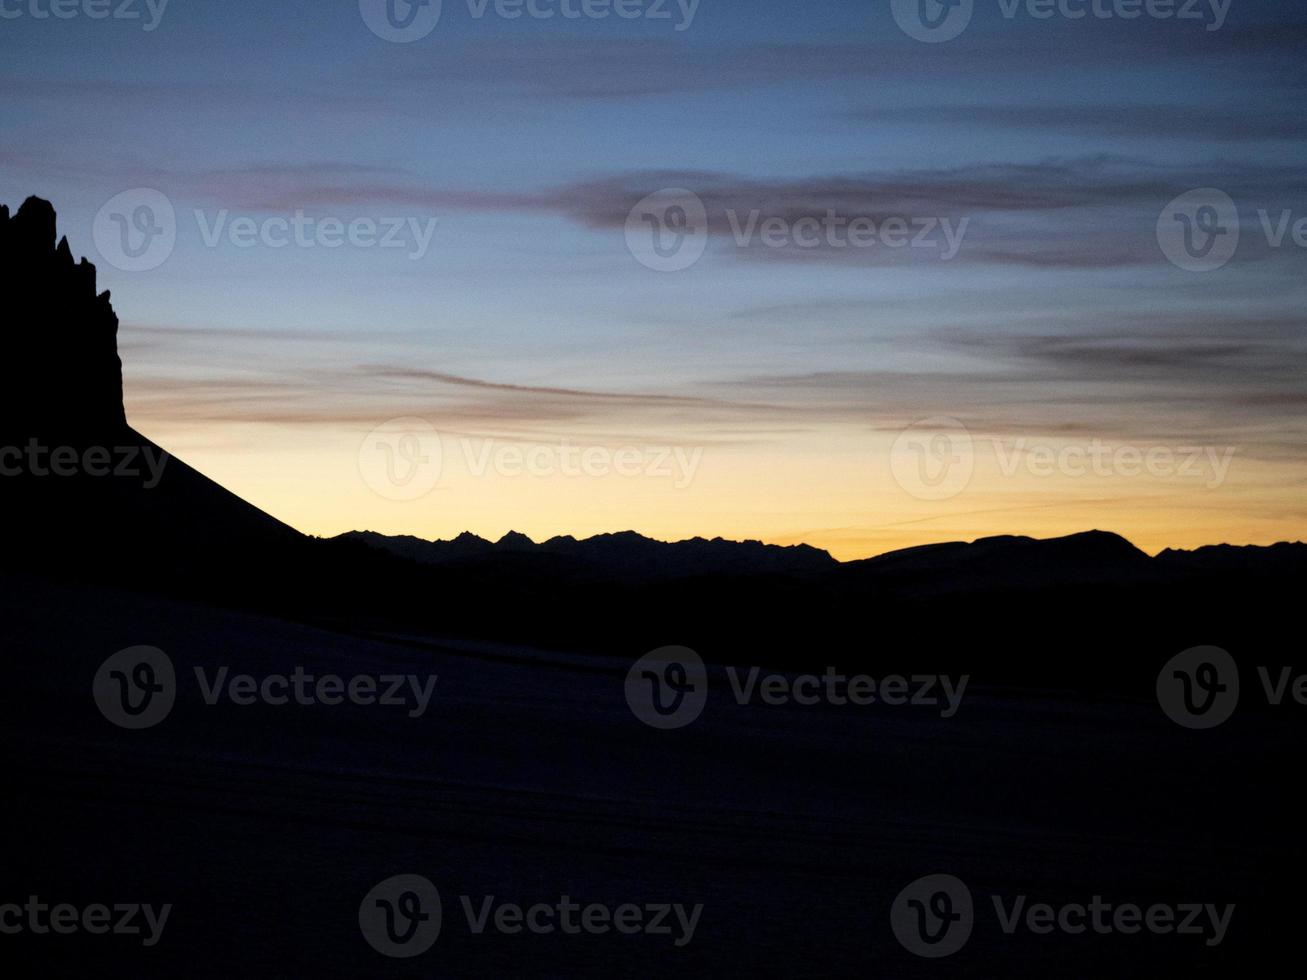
528 778
1087 612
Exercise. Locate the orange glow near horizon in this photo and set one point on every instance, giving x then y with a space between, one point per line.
839 489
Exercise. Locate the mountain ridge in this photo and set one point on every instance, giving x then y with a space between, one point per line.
1093 554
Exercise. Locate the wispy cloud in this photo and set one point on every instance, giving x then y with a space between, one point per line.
1216 123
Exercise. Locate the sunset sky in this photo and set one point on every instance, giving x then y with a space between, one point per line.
1060 367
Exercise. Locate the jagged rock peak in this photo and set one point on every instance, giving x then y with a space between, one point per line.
35 222
60 359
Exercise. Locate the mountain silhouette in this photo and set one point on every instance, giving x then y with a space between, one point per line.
1001 562
626 554
81 486
64 377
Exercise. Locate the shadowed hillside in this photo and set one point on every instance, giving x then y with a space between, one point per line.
81 488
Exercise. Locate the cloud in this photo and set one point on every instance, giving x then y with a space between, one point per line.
579 68
1205 124
365 395
1091 212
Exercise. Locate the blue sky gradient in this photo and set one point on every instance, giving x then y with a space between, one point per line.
1059 141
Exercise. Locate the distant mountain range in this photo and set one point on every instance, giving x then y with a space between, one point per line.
625 553
1093 557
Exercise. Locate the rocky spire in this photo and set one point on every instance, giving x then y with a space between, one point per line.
60 375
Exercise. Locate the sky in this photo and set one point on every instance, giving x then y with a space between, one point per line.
864 275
